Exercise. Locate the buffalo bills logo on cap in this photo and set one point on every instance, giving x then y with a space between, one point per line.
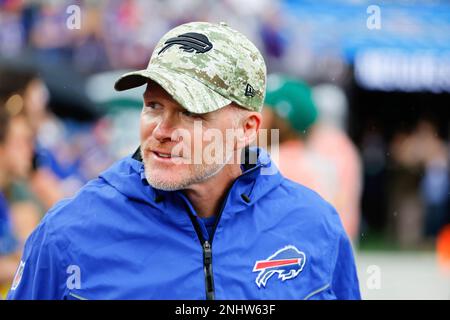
287 262
189 42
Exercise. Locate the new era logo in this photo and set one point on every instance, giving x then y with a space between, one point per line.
249 91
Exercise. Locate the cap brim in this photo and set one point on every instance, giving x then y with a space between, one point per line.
190 93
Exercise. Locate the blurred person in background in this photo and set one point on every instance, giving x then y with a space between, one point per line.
420 184
12 31
328 137
90 54
313 149
405 206
274 34
51 41
435 182
28 92
65 150
16 222
129 26
290 109
31 156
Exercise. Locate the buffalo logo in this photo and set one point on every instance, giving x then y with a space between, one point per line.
288 262
189 42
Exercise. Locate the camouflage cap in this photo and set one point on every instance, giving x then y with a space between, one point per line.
204 67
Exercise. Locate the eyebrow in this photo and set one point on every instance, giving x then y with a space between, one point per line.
160 101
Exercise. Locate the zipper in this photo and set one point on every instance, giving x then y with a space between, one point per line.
207 267
207 244
207 255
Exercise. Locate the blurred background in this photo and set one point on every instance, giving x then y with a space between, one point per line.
360 91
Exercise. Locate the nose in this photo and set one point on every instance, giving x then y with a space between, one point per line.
164 128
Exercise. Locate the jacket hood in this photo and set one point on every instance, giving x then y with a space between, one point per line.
127 176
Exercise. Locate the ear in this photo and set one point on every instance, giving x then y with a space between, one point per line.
250 125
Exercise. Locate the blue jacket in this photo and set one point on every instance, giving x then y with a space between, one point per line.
119 238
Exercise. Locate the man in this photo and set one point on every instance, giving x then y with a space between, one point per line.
329 139
16 151
314 150
167 223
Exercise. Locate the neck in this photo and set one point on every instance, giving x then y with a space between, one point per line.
207 197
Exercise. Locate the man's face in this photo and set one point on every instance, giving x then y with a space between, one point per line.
169 158
17 150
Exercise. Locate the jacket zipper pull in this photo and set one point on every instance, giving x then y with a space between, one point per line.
207 265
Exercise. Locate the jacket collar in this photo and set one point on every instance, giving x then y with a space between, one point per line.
259 176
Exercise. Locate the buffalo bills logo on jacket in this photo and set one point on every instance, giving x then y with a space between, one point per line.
287 262
189 42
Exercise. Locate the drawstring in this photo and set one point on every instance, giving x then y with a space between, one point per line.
245 197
